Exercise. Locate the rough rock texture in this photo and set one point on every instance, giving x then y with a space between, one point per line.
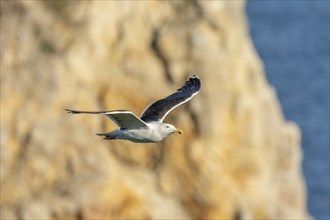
238 157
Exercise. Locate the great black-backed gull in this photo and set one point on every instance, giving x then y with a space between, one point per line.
149 127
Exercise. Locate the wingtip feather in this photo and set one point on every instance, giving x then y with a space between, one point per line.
68 110
195 76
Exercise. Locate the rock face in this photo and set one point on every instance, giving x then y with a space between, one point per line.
237 159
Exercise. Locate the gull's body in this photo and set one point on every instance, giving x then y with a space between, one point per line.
155 132
149 127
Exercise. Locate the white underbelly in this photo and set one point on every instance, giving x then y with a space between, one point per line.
141 135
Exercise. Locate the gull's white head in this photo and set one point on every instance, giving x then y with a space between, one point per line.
168 129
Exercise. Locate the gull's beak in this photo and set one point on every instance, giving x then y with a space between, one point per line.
179 131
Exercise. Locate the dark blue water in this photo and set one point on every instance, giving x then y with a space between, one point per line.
292 38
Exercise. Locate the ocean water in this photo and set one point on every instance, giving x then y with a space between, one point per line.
292 39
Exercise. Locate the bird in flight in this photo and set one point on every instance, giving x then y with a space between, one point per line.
149 127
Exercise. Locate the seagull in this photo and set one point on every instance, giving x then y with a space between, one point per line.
149 128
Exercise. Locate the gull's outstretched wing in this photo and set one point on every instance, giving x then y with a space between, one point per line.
157 111
123 118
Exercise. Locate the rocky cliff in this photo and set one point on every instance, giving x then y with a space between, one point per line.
237 159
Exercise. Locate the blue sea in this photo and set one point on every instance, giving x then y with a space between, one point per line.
292 39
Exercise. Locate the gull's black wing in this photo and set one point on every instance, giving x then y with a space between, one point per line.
158 110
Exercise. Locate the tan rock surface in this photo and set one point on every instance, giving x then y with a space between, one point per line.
238 157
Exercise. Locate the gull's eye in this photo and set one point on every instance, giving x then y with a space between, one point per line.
167 126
